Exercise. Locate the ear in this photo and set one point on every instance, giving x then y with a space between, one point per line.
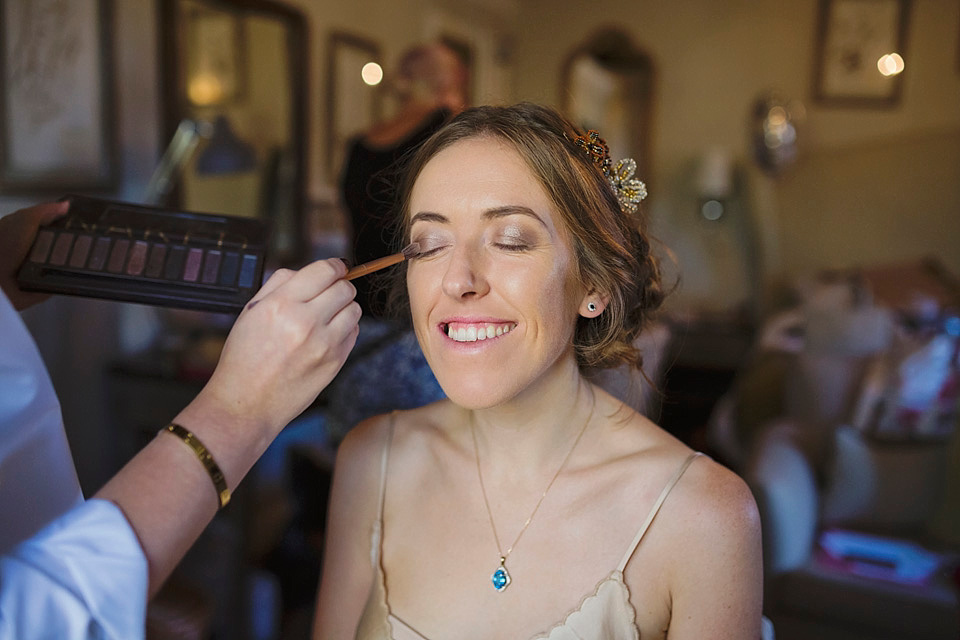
593 304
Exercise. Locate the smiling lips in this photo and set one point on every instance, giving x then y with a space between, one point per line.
471 332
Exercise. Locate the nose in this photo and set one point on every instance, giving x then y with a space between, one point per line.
464 278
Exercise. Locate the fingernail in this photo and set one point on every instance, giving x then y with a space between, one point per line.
347 263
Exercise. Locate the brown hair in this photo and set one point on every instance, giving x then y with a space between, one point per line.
612 250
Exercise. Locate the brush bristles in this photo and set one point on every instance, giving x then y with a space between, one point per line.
412 250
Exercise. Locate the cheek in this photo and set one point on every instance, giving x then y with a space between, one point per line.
423 286
555 291
414 288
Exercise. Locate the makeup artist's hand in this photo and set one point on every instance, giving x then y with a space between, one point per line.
284 348
287 345
17 231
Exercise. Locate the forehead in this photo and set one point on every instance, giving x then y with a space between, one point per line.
479 174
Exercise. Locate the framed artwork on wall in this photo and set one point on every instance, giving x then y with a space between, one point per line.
352 104
56 96
214 54
852 37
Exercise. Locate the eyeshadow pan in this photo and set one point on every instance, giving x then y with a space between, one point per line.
138 258
211 267
155 262
174 267
118 255
231 264
41 248
247 269
100 252
61 249
81 249
192 270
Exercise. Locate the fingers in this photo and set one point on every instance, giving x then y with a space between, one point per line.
339 336
47 212
17 233
337 297
303 285
346 322
315 278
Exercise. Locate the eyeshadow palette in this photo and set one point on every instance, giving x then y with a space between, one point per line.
148 255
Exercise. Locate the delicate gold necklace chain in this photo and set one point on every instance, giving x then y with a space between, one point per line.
486 502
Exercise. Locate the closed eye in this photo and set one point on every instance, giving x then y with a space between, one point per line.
430 249
512 246
425 254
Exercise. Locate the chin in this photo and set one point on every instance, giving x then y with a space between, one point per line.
479 390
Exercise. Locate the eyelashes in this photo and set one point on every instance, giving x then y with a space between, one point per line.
512 246
429 251
430 245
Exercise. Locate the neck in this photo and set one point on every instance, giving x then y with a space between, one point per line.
530 433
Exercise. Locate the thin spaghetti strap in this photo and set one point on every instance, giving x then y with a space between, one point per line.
376 532
656 508
383 465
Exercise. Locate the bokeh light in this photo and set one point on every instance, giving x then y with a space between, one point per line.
372 73
890 64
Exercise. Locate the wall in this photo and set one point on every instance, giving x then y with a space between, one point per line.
712 60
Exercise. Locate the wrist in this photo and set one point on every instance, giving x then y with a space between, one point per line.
205 458
235 439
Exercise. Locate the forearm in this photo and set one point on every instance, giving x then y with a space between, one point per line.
167 494
284 348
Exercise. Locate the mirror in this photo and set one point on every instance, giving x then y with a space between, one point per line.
234 116
607 85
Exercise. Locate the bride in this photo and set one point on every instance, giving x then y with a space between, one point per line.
530 503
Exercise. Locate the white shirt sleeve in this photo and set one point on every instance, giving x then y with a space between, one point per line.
83 576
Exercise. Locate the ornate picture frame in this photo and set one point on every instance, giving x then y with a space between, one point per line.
852 35
56 96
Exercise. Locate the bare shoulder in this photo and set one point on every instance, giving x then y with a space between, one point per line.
713 518
706 551
707 497
347 573
401 435
712 502
361 448
707 493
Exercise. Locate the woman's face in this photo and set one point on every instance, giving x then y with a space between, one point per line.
494 298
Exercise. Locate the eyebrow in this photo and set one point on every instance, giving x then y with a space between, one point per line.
489 214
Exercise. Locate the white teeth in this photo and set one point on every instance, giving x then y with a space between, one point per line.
473 333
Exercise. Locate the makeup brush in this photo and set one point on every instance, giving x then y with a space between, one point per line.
412 250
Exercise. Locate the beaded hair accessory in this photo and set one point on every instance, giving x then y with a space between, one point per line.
629 190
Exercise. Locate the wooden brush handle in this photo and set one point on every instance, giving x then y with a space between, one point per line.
374 265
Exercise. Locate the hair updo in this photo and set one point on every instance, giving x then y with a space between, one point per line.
611 247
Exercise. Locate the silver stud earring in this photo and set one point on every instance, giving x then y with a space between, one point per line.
591 306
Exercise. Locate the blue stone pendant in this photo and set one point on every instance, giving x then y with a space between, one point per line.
500 577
